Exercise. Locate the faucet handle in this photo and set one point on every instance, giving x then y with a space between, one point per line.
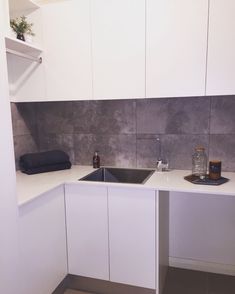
159 165
162 165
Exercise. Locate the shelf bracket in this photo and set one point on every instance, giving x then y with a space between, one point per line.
26 56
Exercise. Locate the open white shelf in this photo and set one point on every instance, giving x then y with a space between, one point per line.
23 49
15 5
21 46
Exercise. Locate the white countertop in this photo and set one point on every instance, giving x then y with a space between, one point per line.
32 186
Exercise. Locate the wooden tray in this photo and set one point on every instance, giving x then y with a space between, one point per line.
207 181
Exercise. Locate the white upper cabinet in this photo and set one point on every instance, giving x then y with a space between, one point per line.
118 42
67 48
176 47
221 48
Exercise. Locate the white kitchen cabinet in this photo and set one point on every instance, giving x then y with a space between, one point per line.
112 234
67 39
42 237
132 233
118 43
221 48
87 230
176 46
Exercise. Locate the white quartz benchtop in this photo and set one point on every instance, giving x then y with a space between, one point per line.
32 186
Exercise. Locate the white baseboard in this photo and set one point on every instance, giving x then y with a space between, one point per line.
218 268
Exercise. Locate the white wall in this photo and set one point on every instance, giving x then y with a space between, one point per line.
8 207
202 232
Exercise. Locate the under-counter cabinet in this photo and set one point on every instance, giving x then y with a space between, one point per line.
42 242
118 43
87 230
221 48
132 231
113 234
176 46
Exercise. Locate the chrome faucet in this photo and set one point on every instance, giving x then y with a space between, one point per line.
162 165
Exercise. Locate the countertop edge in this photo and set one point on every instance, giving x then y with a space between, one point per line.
30 187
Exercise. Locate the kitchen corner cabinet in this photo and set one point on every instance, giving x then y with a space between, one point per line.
111 233
87 230
132 236
176 45
42 242
118 43
67 39
221 48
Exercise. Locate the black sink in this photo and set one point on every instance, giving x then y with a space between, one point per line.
119 175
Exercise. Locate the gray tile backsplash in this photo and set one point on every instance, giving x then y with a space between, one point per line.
55 118
105 117
117 150
173 116
223 115
125 131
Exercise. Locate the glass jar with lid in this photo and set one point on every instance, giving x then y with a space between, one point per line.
199 162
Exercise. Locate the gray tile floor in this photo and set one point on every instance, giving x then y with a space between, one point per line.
180 281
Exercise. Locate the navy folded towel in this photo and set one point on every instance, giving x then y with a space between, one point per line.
32 163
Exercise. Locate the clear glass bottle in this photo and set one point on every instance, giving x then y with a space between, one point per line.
199 162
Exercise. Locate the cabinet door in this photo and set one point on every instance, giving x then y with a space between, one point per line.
132 236
42 235
67 50
87 230
118 41
176 47
221 48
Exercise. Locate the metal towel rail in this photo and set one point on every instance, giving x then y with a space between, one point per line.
26 56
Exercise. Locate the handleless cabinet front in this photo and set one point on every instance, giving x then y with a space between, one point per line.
132 236
87 230
118 42
67 41
42 242
176 45
221 48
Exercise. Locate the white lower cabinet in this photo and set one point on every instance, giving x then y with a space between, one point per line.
132 236
42 240
87 230
111 233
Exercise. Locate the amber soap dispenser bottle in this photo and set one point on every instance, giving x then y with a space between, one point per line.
96 160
